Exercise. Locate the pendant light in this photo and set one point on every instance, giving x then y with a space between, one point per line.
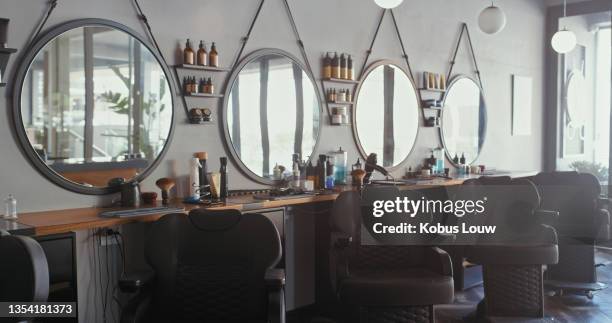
388 4
492 19
564 40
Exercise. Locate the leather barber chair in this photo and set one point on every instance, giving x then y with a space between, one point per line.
24 273
384 283
514 257
582 222
209 266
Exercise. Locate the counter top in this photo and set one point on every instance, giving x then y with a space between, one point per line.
61 221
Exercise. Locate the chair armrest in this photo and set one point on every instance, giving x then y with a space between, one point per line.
136 309
134 282
546 216
275 278
439 261
603 223
340 240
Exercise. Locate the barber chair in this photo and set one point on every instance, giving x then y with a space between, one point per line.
383 283
209 266
583 221
24 273
514 257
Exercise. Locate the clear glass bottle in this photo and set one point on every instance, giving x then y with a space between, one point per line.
10 207
439 155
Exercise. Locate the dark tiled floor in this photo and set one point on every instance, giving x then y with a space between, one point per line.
567 308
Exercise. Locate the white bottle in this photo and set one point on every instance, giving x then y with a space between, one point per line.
194 178
10 207
296 175
276 172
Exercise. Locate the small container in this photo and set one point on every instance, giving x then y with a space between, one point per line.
10 207
340 166
336 119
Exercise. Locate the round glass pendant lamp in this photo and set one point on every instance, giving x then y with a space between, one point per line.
492 20
564 40
388 4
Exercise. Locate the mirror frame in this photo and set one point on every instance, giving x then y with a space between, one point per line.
486 117
228 89
22 69
367 71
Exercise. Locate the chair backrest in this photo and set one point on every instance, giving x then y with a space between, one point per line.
24 273
509 206
347 218
574 195
210 265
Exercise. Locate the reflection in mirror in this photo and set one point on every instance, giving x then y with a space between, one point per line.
273 112
96 105
463 120
387 114
576 96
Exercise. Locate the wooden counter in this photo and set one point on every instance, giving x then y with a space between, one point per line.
61 221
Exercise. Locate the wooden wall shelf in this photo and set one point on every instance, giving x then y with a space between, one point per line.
5 55
432 90
202 68
340 81
204 95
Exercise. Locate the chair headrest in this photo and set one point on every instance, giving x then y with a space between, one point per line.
209 220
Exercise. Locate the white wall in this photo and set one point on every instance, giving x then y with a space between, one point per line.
429 28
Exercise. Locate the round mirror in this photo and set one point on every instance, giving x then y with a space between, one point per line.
463 119
272 111
93 103
575 99
386 118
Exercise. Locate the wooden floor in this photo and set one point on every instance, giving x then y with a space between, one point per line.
567 308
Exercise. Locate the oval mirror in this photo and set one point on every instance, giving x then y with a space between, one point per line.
93 103
386 118
575 99
272 111
463 119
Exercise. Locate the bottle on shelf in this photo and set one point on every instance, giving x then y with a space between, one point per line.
439 155
335 70
329 177
211 87
224 184
342 96
349 95
188 54
321 172
340 160
311 174
350 72
213 57
204 184
202 86
343 67
202 55
194 178
327 66
462 159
